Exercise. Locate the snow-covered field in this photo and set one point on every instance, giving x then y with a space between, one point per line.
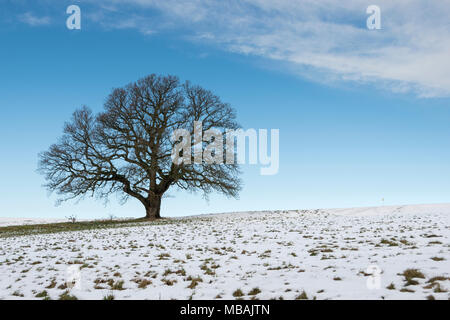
322 254
5 222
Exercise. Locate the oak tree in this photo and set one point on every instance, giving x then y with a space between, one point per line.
127 148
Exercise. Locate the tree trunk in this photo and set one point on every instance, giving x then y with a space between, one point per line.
153 207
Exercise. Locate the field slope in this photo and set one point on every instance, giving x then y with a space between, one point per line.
399 252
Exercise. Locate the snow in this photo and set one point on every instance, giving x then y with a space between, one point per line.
5 222
326 253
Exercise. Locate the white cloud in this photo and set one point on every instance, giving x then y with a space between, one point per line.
32 20
323 40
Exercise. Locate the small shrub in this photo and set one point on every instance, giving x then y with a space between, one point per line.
194 282
42 294
66 296
72 218
144 283
254 292
413 273
109 297
437 259
118 285
238 293
302 296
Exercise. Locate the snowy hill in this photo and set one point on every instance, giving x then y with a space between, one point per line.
5 222
397 252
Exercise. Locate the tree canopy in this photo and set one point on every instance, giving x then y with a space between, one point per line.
128 147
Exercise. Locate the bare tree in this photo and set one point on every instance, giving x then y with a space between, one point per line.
127 148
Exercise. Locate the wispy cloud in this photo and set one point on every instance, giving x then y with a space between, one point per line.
33 20
323 40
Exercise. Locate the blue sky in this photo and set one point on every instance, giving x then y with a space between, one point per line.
357 123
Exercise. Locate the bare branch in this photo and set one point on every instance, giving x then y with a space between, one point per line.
127 148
